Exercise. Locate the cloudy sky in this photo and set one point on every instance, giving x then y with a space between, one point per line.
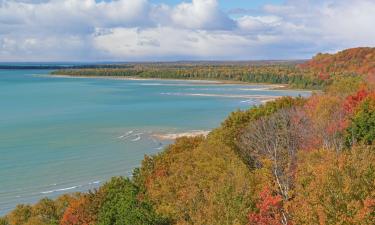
157 30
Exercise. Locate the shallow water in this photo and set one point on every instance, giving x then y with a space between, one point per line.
60 135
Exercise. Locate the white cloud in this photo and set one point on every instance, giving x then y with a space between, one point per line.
163 42
258 23
140 30
200 14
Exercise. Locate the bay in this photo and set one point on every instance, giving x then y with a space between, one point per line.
62 135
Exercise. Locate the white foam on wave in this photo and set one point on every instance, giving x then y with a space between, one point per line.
255 89
126 134
264 97
181 84
61 189
136 139
248 101
150 84
131 136
70 188
95 182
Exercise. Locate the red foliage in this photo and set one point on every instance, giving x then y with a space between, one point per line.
323 76
311 103
352 101
337 126
269 209
355 61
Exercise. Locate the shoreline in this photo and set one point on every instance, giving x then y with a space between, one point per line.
174 136
198 81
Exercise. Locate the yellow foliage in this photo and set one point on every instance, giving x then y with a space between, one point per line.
206 184
335 188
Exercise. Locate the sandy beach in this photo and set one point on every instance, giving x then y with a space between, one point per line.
173 136
214 82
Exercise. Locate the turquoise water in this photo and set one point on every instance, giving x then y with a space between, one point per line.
60 135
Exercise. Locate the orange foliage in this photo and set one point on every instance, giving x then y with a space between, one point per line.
78 213
327 119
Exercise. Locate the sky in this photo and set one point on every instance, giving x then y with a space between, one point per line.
171 30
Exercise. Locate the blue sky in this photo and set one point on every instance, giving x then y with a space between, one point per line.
168 30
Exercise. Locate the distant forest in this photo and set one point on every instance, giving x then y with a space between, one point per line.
262 72
317 73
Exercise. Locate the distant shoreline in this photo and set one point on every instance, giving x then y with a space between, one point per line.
213 82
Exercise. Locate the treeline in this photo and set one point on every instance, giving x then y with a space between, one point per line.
274 73
317 73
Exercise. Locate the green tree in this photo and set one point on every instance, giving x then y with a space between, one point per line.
121 206
3 221
45 211
362 127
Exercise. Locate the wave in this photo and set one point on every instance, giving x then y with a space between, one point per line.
70 188
126 134
191 84
151 84
95 182
130 134
223 95
230 88
136 139
249 101
264 88
61 189
255 89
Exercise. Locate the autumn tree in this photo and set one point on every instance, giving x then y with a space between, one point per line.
82 210
328 121
231 129
44 212
335 188
20 215
362 126
276 139
269 209
63 202
201 181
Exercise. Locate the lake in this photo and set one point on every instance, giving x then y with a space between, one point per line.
61 135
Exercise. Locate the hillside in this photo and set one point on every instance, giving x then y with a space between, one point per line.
289 161
359 61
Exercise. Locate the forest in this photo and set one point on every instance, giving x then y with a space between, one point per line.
289 161
256 73
262 72
317 73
